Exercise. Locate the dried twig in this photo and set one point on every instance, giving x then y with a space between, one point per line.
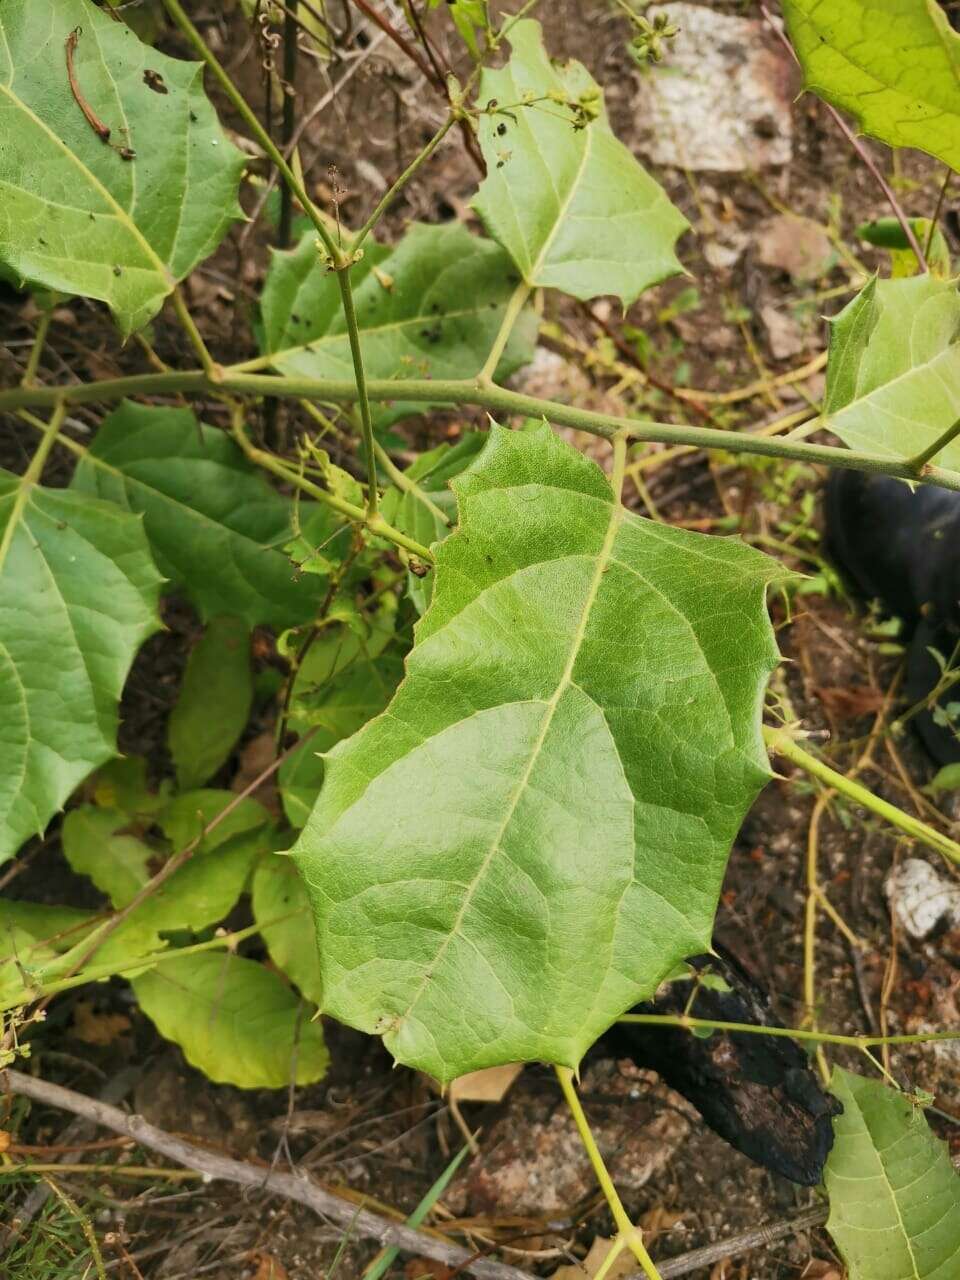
362 1222
753 1239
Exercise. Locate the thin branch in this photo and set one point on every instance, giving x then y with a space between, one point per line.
389 196
631 1235
756 1238
781 743
295 1187
467 392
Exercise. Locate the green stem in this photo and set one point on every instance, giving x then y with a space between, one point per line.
363 401
243 109
404 178
687 1023
375 522
210 366
40 338
467 392
340 260
31 477
625 1227
403 481
781 743
920 460
516 304
98 972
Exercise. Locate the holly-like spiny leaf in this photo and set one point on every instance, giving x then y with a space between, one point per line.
893 376
121 219
78 596
894 64
562 194
535 831
894 1197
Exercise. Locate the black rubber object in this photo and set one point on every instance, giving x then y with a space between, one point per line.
902 547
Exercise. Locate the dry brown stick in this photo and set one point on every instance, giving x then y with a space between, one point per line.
361 1222
729 1248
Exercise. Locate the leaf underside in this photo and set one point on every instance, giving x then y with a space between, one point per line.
893 64
893 379
430 307
78 596
74 214
535 831
571 205
894 1195
215 525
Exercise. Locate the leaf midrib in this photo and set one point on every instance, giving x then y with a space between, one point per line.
566 679
106 195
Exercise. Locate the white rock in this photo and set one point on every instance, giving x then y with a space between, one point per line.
920 897
721 97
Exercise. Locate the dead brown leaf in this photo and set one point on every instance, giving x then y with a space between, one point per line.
489 1085
426 1269
624 1265
268 1268
5 1140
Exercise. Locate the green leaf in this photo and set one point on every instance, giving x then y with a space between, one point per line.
893 375
563 195
122 784
893 64
78 596
894 1196
215 525
96 845
214 701
23 964
75 214
205 888
282 910
234 1020
428 308
535 831
334 711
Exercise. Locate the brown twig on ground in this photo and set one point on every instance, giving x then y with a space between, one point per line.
361 1222
753 1239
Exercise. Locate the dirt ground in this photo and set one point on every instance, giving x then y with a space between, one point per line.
744 331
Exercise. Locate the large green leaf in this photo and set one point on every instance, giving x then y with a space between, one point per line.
75 215
894 64
214 701
235 1020
78 596
893 378
535 831
894 1196
215 525
564 196
428 308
